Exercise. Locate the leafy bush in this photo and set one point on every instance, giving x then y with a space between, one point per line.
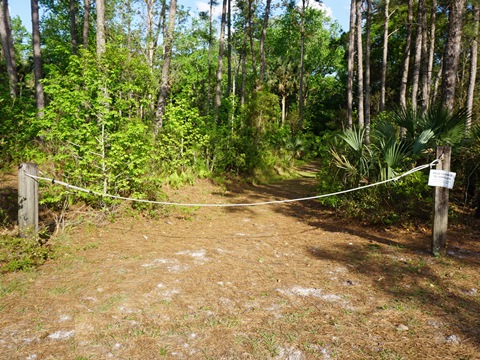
354 163
21 254
408 200
182 141
93 136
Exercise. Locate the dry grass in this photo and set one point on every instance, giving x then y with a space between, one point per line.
271 282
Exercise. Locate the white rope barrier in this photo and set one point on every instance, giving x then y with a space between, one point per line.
117 197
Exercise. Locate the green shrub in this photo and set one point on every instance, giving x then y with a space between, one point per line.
22 254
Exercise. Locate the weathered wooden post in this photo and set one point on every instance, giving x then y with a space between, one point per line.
440 216
27 199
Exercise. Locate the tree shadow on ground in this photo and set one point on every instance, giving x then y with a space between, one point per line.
427 289
415 282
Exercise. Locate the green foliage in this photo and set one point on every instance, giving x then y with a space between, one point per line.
388 155
182 141
16 131
407 201
262 111
437 126
235 152
22 254
356 159
93 135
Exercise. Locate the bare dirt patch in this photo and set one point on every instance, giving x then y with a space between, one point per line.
285 281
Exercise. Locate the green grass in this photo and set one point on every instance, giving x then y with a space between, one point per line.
22 254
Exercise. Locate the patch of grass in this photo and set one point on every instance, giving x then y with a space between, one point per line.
269 340
22 254
387 354
110 302
12 286
163 350
91 245
58 290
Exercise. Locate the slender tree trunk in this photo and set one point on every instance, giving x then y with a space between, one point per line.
361 118
262 44
150 37
250 32
218 91
37 59
473 67
210 43
101 45
244 67
86 16
8 49
164 85
424 67
436 84
431 52
367 71
406 57
452 53
384 57
158 30
229 48
301 101
73 28
350 65
417 62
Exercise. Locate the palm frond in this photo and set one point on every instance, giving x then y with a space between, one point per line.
342 162
407 118
393 155
421 141
354 137
385 130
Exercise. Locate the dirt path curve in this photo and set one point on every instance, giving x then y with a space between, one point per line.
283 281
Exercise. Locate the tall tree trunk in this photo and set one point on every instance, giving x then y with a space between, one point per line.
350 65
367 70
436 83
150 37
210 44
452 53
37 59
424 67
101 45
361 119
244 67
73 28
473 68
229 48
164 85
250 33
218 91
431 52
301 101
8 49
384 57
86 25
417 61
406 57
262 44
158 29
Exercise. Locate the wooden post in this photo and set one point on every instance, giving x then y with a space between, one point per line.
27 200
440 216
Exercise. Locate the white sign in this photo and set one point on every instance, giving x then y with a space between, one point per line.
441 178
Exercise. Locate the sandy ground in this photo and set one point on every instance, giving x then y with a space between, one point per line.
289 281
